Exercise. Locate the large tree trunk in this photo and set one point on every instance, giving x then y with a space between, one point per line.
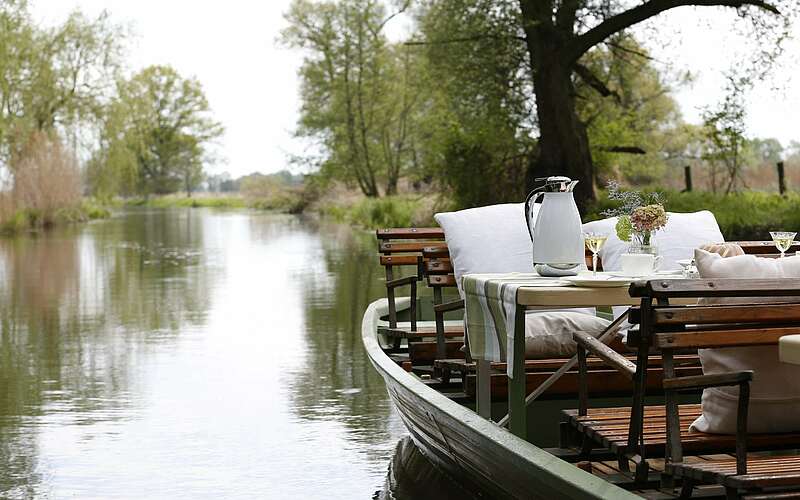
563 142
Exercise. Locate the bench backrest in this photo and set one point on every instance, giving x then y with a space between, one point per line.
757 313
401 249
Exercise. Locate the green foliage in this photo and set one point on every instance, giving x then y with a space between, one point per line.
390 211
479 121
360 93
749 215
156 136
638 113
53 79
724 129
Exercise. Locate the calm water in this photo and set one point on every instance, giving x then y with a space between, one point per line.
191 354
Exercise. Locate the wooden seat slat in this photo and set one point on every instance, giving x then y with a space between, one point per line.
442 280
410 233
436 252
768 471
405 333
399 260
407 246
554 364
717 314
610 427
438 266
724 338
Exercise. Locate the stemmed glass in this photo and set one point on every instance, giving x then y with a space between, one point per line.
594 242
783 240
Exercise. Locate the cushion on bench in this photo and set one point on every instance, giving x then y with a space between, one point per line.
775 390
549 334
491 239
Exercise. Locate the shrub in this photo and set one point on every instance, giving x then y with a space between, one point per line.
46 178
749 215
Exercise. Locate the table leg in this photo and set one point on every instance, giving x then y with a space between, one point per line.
484 386
518 424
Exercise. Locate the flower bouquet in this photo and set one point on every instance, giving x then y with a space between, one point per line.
639 216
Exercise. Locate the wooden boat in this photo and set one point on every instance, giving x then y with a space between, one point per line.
472 449
486 457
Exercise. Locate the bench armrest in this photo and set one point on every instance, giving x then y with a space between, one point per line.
448 306
401 281
706 381
607 354
741 378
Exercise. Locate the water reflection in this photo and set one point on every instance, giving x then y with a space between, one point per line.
189 354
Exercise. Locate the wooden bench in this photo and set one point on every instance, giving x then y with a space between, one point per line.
638 432
400 250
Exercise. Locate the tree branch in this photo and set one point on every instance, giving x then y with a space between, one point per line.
591 80
472 38
643 12
633 150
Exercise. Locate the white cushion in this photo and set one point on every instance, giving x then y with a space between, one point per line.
495 239
676 241
775 390
549 334
491 239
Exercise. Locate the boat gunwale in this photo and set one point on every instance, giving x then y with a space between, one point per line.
547 471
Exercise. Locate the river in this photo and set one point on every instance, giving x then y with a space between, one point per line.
192 353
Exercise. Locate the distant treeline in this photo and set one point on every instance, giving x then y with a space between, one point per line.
74 120
456 104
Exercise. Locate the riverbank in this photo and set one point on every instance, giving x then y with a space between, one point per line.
288 202
749 215
28 219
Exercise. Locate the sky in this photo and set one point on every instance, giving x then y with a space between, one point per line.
251 81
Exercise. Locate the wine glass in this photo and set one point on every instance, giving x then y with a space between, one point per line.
594 242
783 240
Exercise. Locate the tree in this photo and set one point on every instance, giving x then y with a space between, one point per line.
557 35
159 126
725 131
476 133
634 121
54 79
358 91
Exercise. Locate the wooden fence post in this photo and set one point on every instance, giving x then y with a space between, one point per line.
781 179
687 174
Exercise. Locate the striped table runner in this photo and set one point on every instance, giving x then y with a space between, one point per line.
491 307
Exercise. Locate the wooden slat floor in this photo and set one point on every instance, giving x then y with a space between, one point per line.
610 427
609 470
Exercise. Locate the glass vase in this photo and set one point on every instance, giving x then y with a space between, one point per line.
640 248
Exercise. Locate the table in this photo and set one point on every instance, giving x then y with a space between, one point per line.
561 297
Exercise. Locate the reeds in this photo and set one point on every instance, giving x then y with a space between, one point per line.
45 184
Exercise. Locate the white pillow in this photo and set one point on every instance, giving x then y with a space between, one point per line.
549 334
677 240
491 239
495 239
775 390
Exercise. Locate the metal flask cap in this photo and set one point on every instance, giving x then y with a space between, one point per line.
556 231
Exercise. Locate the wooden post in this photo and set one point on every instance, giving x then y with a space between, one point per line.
687 175
483 382
781 179
518 422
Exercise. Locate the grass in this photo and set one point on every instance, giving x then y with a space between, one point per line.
389 211
289 202
32 219
748 215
